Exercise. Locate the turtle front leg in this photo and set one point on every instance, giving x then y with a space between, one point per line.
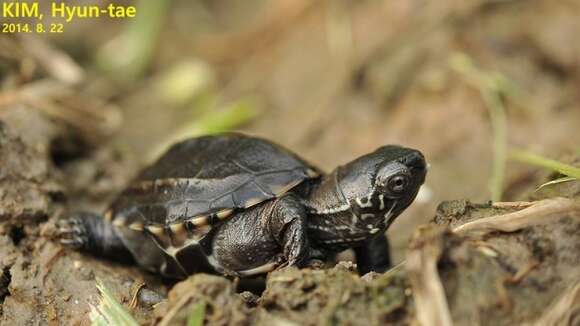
91 233
288 226
373 255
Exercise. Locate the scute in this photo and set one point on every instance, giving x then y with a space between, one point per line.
203 180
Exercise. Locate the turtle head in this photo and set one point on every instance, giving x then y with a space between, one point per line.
380 185
400 175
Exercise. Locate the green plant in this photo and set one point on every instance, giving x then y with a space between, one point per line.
109 311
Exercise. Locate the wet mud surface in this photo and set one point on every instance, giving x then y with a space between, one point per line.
499 279
494 278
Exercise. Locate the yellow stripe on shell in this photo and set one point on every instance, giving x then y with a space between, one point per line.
177 229
199 221
252 202
284 189
155 230
119 222
311 173
225 213
136 226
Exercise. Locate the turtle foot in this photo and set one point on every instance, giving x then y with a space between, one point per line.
90 233
72 232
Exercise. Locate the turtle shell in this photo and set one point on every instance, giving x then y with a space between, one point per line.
202 181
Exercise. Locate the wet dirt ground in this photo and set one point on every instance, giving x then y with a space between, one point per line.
331 81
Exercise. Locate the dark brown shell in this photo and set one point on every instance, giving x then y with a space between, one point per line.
201 181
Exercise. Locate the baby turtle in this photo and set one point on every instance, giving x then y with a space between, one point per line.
240 206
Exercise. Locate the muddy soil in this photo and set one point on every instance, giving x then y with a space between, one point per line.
496 279
487 276
41 283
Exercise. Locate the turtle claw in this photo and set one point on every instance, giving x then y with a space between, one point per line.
72 243
72 232
90 233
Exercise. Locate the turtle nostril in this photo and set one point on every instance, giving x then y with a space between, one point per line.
416 160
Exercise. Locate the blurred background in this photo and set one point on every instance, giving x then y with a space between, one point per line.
476 85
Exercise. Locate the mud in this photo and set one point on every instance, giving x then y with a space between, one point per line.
491 279
499 279
40 283
223 305
28 185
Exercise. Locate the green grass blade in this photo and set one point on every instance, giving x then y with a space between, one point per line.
197 315
127 56
491 87
499 126
110 311
211 122
228 118
557 181
537 160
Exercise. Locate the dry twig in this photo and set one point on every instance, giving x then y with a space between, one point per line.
534 214
168 319
135 288
56 62
428 292
564 311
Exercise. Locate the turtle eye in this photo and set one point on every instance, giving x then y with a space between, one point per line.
398 183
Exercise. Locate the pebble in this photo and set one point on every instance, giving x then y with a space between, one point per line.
149 298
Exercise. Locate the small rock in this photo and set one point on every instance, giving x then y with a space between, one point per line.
370 276
249 298
348 266
149 297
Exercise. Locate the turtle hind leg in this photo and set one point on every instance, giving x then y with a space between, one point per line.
91 233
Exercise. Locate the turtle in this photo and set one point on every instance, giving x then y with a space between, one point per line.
240 205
